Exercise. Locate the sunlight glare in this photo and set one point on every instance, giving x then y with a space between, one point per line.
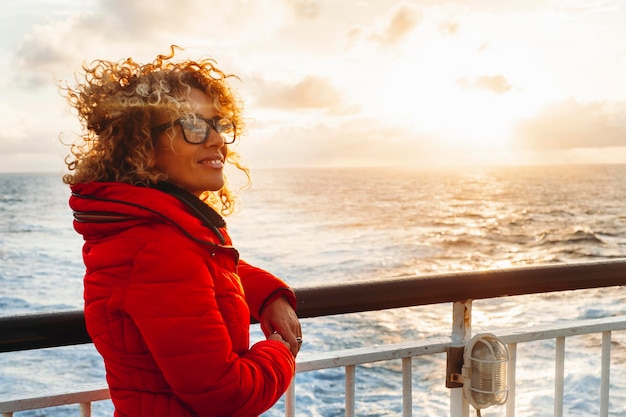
434 94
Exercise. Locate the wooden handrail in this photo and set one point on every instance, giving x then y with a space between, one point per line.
63 328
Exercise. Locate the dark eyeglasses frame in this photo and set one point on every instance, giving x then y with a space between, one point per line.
212 123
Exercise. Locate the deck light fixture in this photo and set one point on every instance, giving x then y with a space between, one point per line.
484 371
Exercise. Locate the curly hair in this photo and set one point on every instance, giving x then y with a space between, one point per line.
116 103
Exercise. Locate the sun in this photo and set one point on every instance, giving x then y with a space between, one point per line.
474 120
430 102
471 119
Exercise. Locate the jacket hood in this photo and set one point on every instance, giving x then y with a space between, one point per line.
104 208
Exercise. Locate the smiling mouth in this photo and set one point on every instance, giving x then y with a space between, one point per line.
212 162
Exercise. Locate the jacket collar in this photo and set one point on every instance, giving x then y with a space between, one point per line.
203 212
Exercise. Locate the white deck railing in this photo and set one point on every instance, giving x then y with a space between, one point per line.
351 358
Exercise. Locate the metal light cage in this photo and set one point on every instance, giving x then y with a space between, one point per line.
484 371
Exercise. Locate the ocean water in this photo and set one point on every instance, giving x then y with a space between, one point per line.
314 226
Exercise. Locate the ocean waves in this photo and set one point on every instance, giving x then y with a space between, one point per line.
318 226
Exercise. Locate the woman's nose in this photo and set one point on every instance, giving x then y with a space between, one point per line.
214 139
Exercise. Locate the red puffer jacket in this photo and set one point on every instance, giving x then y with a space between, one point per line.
168 306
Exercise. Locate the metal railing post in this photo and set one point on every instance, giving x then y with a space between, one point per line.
461 333
407 388
559 371
511 379
350 390
290 399
605 374
85 409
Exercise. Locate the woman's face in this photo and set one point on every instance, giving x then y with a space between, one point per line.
195 168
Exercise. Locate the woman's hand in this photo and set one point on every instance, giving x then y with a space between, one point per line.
279 317
279 338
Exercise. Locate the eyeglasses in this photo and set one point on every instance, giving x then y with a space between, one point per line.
196 129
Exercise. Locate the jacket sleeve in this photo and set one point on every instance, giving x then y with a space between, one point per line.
172 300
261 287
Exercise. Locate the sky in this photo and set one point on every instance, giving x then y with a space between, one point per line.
333 83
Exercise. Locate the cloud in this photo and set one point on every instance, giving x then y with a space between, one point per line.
311 92
449 27
13 132
116 29
25 132
306 8
570 124
355 141
220 19
55 49
45 51
401 20
494 83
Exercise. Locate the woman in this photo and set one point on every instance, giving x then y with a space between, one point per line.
167 300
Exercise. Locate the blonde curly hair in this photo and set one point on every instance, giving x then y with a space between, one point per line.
116 103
